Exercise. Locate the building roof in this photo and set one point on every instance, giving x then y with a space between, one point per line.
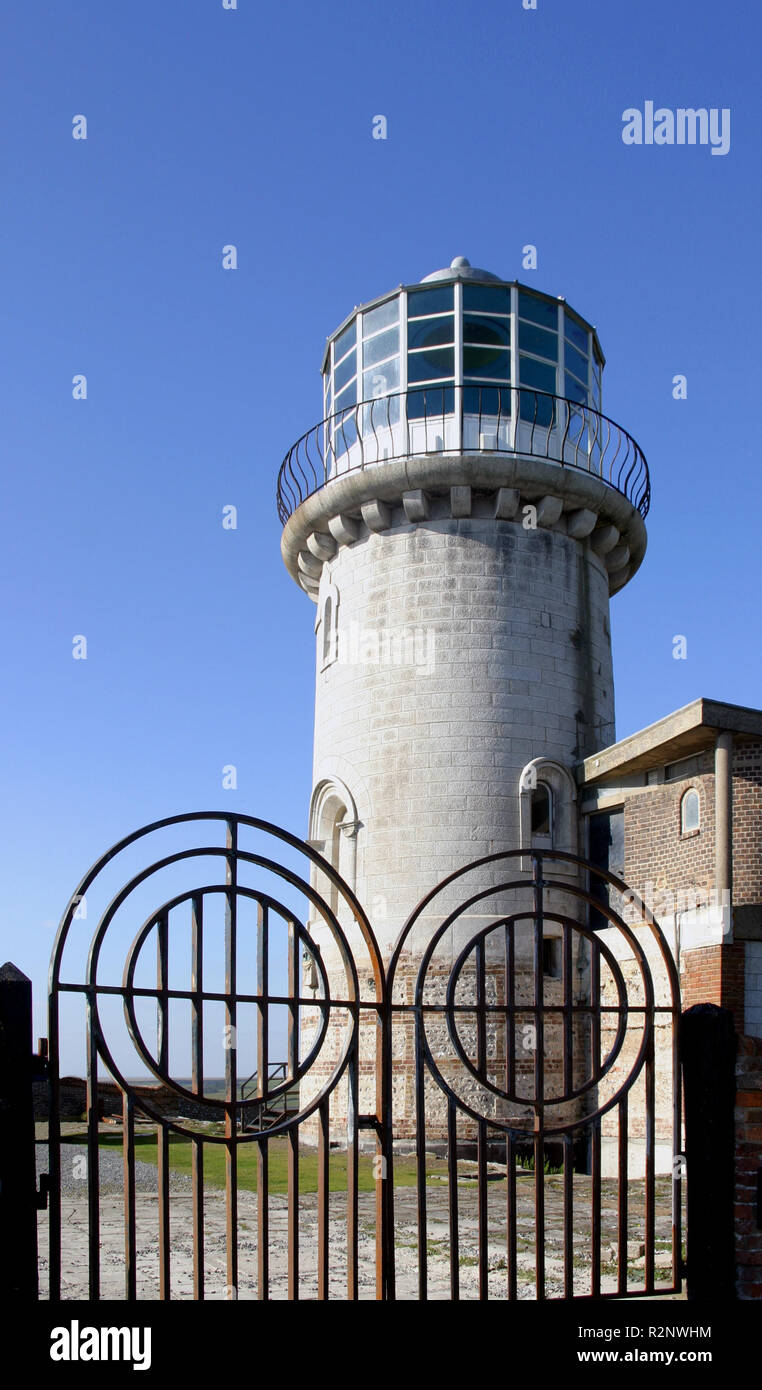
678 735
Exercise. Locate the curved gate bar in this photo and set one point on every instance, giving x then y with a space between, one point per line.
230 818
588 1125
434 1069
510 886
344 1060
539 856
246 856
456 1040
345 1063
132 990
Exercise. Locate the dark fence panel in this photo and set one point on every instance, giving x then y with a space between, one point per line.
708 1054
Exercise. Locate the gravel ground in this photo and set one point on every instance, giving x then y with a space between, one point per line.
75 1236
74 1173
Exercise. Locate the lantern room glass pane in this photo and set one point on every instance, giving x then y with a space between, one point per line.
487 362
426 333
537 374
381 380
574 390
576 333
435 301
575 362
383 345
538 310
345 341
430 402
484 299
345 371
481 330
423 365
486 400
381 317
537 340
347 397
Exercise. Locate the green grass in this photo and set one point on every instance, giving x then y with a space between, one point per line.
215 1154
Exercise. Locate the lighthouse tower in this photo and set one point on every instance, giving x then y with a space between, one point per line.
459 518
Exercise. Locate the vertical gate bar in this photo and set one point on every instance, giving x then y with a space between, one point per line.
539 1075
677 1148
19 1249
510 1086
510 1015
162 984
452 1184
539 1214
323 1194
650 1155
294 975
197 1177
568 1217
162 1133
231 1058
93 1159
595 1215
510 1217
595 1133
162 1142
568 991
54 1153
481 1149
352 1161
263 1220
128 1160
568 1085
420 1159
231 1205
386 1284
293 1213
197 1086
263 1068
623 1194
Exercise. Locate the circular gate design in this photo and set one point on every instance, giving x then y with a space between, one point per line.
233 923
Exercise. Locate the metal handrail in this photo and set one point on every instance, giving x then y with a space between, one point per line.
501 419
276 1071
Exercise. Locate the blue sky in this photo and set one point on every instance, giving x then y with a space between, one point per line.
208 127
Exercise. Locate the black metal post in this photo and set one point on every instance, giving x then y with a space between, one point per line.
707 1054
18 1181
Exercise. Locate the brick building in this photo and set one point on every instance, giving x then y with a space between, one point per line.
676 811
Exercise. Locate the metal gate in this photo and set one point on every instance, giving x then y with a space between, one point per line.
495 1113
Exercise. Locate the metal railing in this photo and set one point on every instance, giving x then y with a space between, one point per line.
463 419
258 1110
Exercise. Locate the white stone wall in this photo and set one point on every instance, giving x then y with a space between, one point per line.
512 662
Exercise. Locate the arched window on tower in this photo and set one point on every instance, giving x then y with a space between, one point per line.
333 832
548 808
542 814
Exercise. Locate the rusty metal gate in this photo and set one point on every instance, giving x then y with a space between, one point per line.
494 1113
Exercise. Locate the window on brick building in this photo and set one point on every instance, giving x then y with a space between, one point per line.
690 812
